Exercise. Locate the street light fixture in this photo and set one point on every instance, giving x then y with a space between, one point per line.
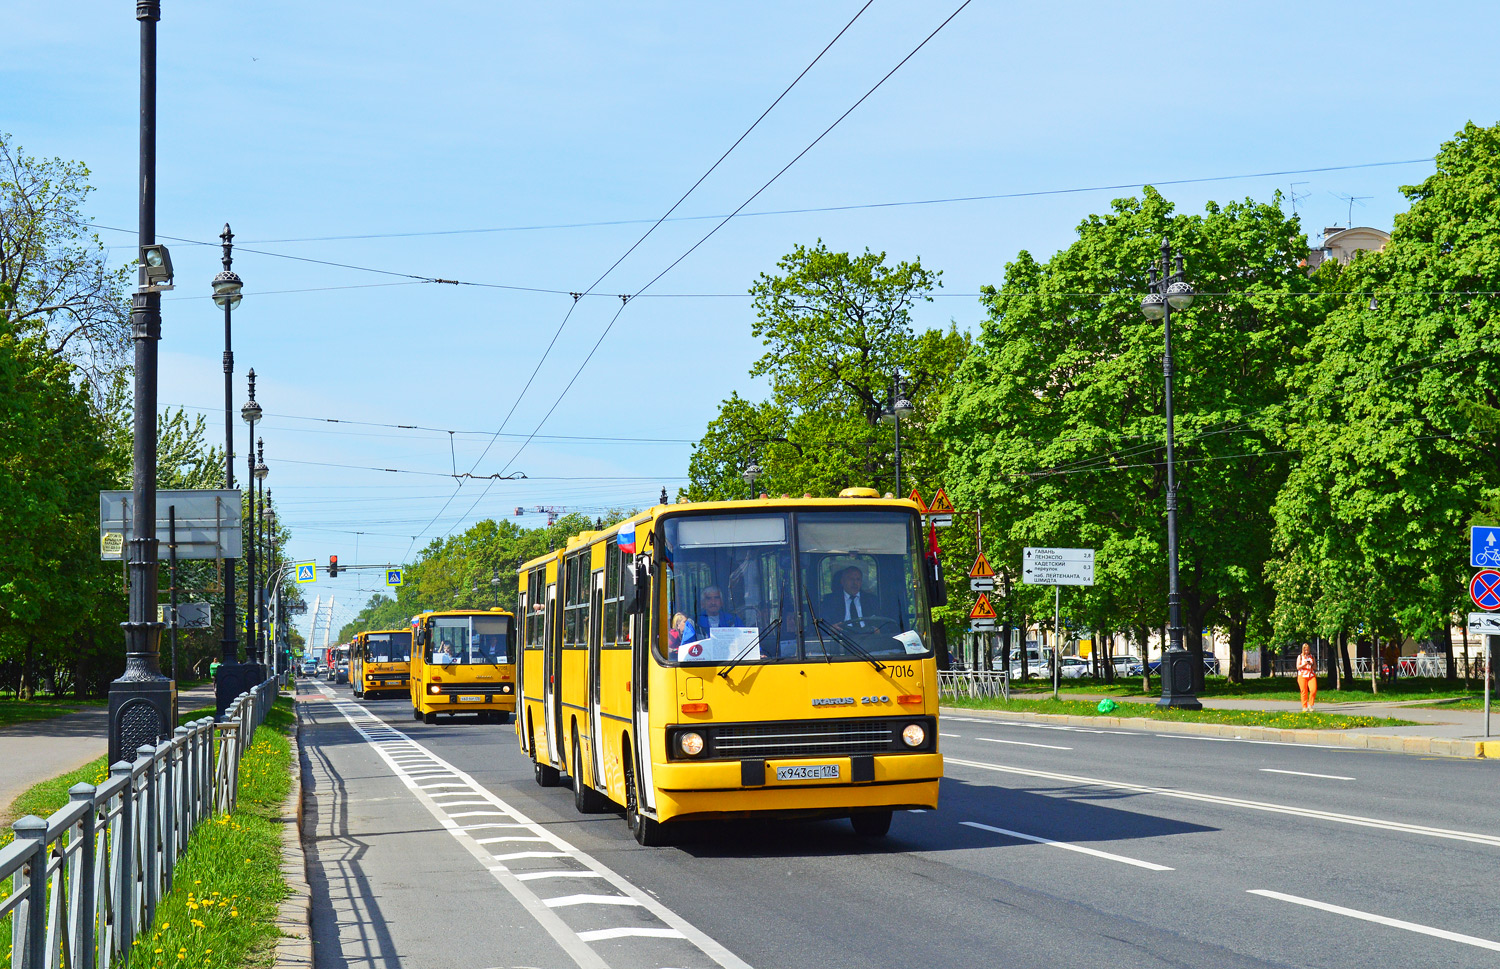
751 472
1168 292
896 407
251 412
229 681
261 555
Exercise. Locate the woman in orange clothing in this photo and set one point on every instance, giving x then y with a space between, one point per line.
1307 678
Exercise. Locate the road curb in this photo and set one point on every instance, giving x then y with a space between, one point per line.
294 917
1424 746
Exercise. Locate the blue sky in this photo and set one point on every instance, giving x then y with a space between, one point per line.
298 120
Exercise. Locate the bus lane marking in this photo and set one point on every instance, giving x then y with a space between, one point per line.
381 736
1356 820
1355 913
563 901
1067 846
1303 773
1021 743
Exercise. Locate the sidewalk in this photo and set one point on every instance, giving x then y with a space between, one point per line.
1438 731
35 751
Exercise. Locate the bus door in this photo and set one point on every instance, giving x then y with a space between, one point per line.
596 635
640 674
551 671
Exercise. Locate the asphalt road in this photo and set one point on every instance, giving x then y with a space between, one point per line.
1053 846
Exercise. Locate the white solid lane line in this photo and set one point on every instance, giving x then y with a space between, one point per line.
953 735
1235 802
1355 913
1021 743
1267 743
1066 846
1303 773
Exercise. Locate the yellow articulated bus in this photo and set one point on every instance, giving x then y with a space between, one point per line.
767 658
461 662
381 663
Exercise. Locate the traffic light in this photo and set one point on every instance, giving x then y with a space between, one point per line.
333 566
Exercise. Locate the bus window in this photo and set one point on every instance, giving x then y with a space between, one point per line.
469 640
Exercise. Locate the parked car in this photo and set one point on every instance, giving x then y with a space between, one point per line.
1074 668
1127 665
1210 665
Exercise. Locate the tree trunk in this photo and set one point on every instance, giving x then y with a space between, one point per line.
1450 672
1237 628
1005 648
1109 658
1025 660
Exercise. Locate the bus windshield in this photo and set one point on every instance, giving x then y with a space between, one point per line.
793 586
468 640
388 647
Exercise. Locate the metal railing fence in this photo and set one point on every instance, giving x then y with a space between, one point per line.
973 684
80 885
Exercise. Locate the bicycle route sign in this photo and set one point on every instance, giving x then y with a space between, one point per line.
1484 547
1484 589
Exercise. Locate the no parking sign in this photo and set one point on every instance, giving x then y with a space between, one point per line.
1484 589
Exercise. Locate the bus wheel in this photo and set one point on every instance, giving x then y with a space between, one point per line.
429 718
502 716
416 714
873 824
546 774
649 833
585 798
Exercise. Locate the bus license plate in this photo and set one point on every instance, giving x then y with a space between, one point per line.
471 699
808 772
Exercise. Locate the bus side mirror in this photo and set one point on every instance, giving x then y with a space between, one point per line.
634 579
939 585
421 636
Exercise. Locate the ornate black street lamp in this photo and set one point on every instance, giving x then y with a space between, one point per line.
251 412
751 472
228 680
142 702
1168 292
896 407
265 562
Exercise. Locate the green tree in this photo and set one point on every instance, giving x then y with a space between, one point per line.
837 329
1055 426
1393 416
54 270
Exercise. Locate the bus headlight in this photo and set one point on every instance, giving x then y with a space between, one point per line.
913 735
505 688
434 688
690 743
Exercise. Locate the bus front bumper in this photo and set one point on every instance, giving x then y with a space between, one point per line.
734 788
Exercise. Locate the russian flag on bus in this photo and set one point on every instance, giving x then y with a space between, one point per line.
627 538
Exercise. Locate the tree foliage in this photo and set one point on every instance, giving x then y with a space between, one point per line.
837 329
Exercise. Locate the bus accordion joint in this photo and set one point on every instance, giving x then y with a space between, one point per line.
909 698
695 708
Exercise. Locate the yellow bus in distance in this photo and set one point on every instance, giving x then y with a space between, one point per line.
381 663
461 662
766 658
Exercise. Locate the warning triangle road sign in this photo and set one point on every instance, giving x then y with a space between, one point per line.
917 497
982 609
940 504
981 569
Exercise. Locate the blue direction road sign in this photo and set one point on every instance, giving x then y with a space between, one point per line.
1484 589
1484 547
307 571
393 577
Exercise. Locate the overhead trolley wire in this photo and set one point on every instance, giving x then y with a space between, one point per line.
624 301
602 276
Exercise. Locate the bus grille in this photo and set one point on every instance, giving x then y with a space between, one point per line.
803 738
450 689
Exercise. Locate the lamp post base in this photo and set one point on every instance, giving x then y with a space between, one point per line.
1177 681
142 712
230 680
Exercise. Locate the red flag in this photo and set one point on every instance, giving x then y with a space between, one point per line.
932 545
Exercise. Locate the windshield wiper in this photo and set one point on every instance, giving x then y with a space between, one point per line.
747 650
807 598
849 643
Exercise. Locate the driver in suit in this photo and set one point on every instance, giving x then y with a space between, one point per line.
847 606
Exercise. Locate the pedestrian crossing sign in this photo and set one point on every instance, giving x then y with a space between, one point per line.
393 577
307 571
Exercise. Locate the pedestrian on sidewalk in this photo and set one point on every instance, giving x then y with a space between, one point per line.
1307 678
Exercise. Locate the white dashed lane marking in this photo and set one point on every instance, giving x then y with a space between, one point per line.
667 939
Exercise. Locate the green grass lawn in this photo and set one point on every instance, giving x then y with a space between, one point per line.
41 708
1270 688
1293 720
222 908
